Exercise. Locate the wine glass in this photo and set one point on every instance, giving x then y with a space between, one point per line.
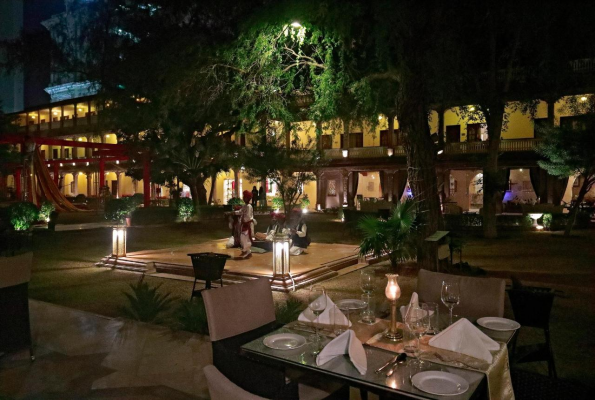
417 321
450 296
317 304
367 281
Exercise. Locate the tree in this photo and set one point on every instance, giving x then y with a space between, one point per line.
569 152
392 237
290 169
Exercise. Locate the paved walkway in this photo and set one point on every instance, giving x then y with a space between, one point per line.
86 356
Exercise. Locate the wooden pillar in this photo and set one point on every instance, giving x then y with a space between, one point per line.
389 182
75 183
345 186
147 181
236 177
320 190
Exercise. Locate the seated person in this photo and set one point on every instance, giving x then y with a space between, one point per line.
299 238
277 225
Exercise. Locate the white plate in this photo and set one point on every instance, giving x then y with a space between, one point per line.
351 304
498 324
440 383
284 341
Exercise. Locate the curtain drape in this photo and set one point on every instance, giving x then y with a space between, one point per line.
559 189
400 181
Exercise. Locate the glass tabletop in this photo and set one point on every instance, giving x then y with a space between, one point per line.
342 368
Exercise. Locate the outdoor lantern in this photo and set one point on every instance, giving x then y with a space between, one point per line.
345 153
390 152
119 241
281 261
393 293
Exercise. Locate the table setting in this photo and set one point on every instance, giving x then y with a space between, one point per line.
423 354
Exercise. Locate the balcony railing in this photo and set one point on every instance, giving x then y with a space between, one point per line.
450 148
364 152
482 147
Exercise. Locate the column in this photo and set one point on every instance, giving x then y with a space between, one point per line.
118 180
390 178
134 182
320 190
101 173
17 183
236 178
345 186
147 181
75 183
56 172
61 184
89 183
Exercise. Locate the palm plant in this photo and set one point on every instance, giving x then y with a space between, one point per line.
146 304
392 237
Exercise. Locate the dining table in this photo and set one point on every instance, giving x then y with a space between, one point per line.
397 386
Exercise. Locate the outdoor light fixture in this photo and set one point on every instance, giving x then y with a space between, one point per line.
117 161
55 112
61 165
119 241
472 108
535 217
390 152
393 293
281 261
380 118
584 98
296 24
48 165
87 163
305 210
539 227
440 151
345 153
73 164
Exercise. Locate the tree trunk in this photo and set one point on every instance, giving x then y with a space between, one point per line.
575 207
213 186
194 192
491 176
421 167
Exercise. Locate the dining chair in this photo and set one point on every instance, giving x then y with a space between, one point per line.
532 307
479 297
236 315
221 388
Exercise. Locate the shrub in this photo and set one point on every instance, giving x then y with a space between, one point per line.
185 208
146 304
116 210
289 311
80 198
305 201
137 199
46 209
234 201
340 214
191 316
23 215
277 203
547 220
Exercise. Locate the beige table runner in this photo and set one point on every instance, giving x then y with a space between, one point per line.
498 372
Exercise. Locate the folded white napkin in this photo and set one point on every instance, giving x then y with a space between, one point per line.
326 318
463 337
345 343
414 301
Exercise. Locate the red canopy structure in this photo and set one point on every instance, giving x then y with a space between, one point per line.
39 181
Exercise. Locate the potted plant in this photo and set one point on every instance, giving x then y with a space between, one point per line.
235 203
305 202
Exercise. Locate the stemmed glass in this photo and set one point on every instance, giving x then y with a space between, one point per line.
317 304
367 281
417 321
450 296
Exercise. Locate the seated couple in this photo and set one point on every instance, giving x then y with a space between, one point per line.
298 234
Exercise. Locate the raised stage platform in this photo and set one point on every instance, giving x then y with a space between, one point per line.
320 262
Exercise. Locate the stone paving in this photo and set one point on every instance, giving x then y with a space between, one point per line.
80 355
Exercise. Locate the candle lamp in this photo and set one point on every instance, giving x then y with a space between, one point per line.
281 260
119 241
393 293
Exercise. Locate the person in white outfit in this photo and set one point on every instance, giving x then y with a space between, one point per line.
299 238
247 220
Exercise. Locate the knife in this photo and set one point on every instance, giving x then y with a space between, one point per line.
400 358
391 361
